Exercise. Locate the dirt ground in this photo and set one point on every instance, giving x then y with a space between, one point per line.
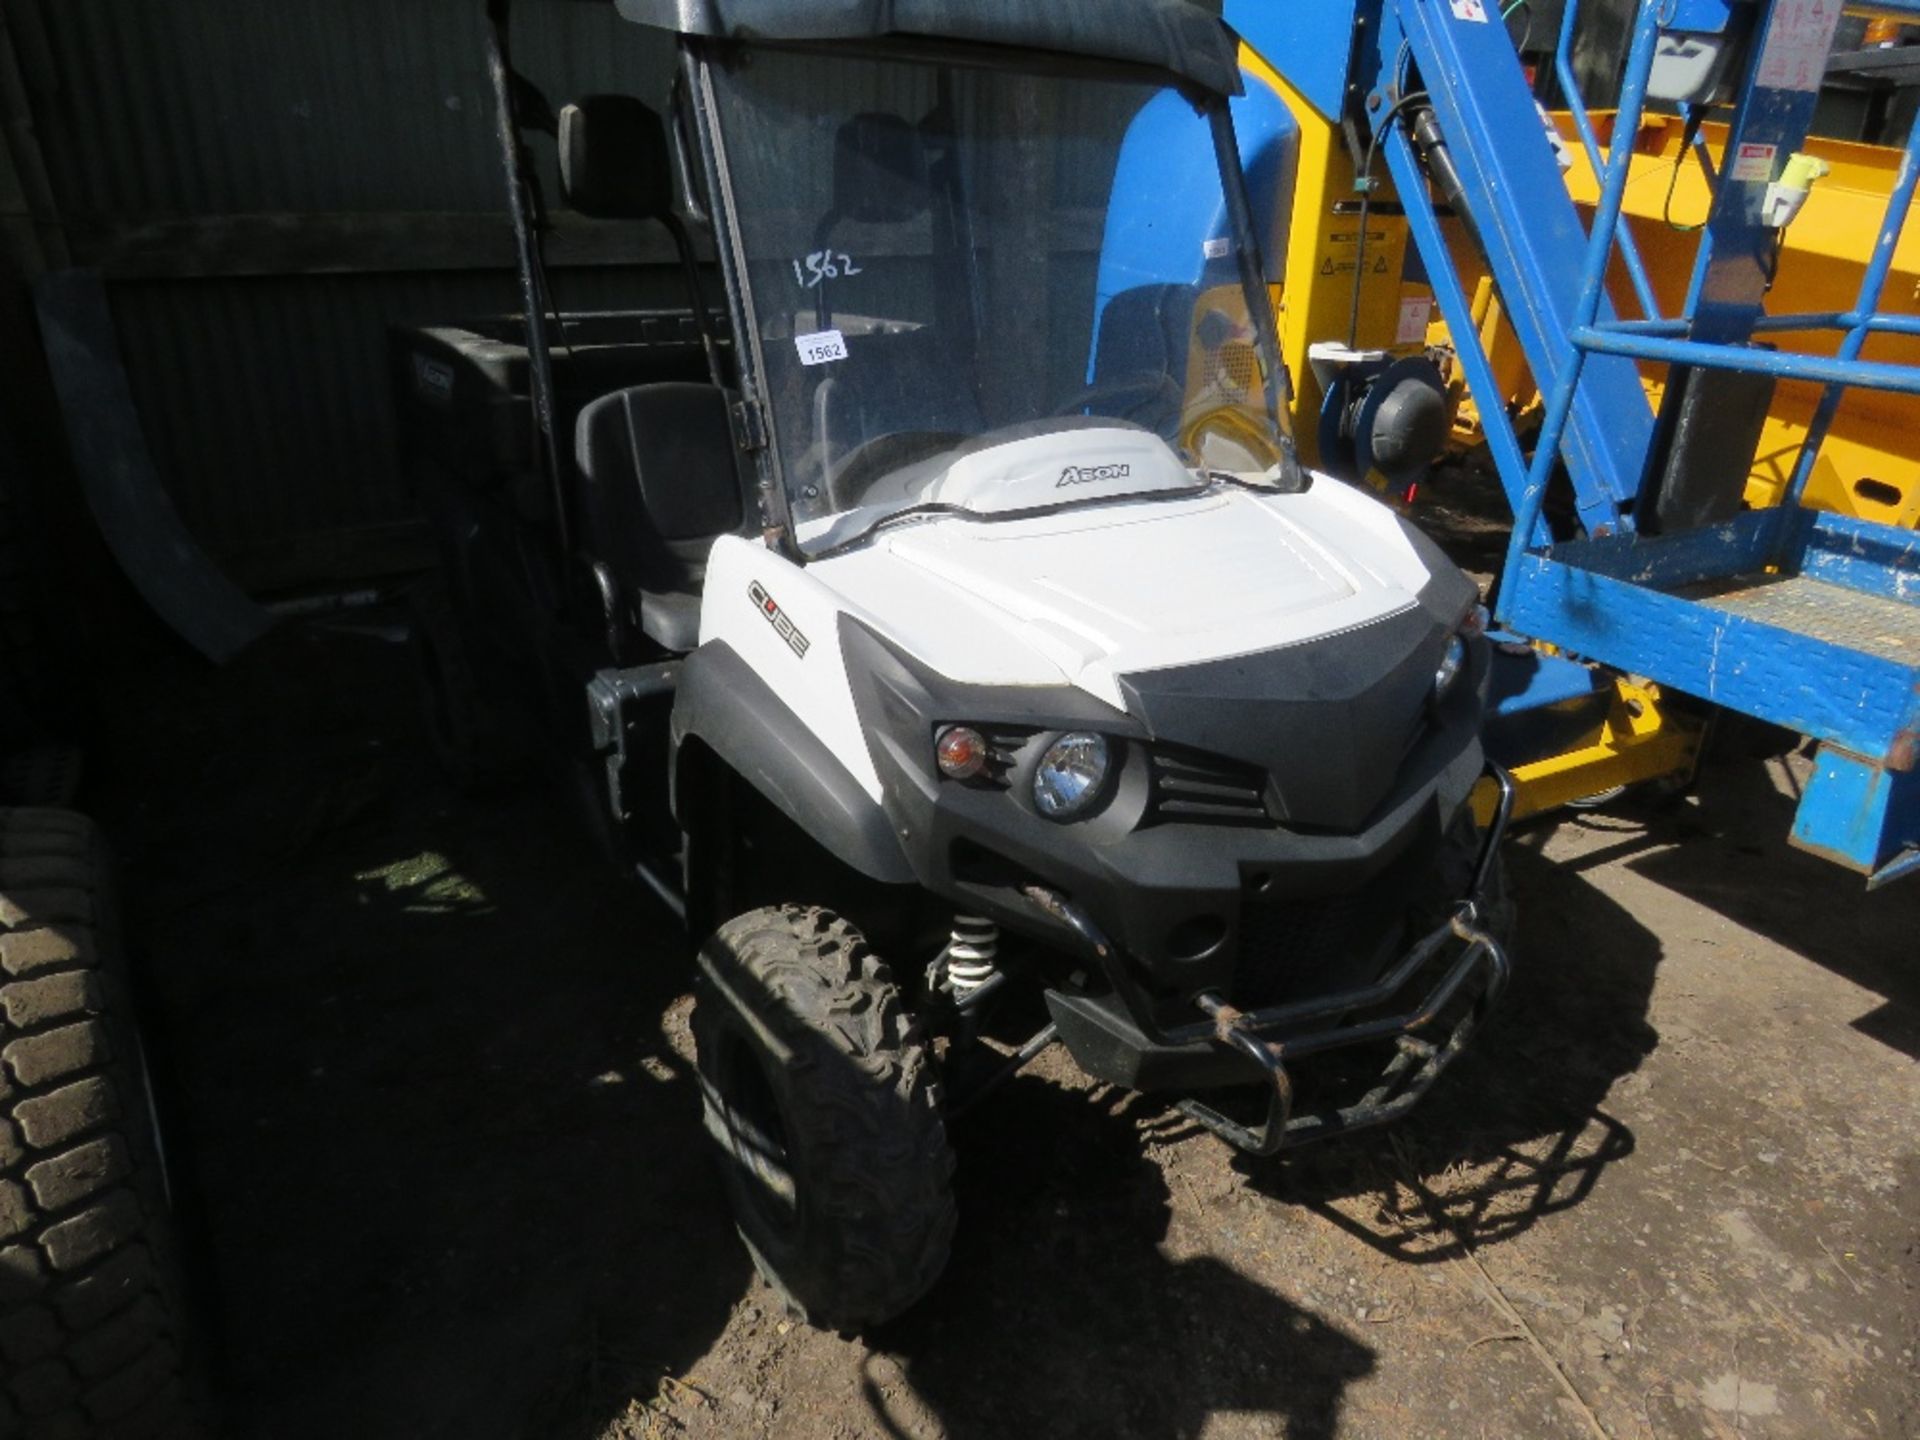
432 1086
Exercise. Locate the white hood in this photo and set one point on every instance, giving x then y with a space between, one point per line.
1092 594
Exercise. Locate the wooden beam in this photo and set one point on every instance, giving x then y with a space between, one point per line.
345 243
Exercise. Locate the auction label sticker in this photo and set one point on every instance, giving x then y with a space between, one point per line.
1754 162
1473 10
821 347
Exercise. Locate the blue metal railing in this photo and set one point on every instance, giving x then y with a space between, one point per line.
1665 340
1593 277
1810 320
1830 370
1872 283
1577 107
1658 339
1496 426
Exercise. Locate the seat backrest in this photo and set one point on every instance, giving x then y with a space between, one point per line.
660 483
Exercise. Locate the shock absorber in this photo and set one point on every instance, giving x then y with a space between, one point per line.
972 956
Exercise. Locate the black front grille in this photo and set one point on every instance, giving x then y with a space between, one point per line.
1188 788
1299 949
1306 947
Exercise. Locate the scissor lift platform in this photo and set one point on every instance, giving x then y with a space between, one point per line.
1818 609
1805 619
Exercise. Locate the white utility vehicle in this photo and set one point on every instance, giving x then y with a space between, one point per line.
951 624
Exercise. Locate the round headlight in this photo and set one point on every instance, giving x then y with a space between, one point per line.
1071 776
1451 664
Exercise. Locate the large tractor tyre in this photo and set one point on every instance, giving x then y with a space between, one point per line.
92 1310
822 1096
467 734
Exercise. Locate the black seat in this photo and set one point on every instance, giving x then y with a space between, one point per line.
660 484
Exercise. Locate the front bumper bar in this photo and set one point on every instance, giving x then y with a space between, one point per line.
1273 1037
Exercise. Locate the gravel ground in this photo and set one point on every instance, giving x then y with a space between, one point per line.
432 1086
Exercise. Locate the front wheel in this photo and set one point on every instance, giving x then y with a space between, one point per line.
821 1094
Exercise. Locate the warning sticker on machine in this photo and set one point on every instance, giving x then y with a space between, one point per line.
1415 311
1349 241
1752 162
1473 10
1799 37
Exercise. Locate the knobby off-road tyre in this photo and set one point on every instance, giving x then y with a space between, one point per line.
823 1099
92 1315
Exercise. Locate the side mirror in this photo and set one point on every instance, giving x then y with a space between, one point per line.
615 161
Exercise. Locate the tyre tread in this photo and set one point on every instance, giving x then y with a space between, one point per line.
89 1328
868 1116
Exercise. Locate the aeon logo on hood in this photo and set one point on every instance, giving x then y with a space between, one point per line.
1087 474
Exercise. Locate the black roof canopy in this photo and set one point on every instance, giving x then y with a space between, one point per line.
1173 35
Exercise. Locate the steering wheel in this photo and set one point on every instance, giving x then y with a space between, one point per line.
1130 393
874 459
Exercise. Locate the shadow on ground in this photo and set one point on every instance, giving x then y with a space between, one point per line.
1519 1129
1736 861
1061 1315
444 1156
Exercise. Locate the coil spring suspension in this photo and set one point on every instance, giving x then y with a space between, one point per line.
972 955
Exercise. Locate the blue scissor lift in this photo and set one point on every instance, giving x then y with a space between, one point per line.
1806 619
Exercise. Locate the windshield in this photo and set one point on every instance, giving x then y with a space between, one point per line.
940 254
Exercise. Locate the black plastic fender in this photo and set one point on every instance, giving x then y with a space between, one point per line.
723 703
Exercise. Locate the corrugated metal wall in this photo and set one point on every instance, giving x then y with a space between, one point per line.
210 155
222 106
266 404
